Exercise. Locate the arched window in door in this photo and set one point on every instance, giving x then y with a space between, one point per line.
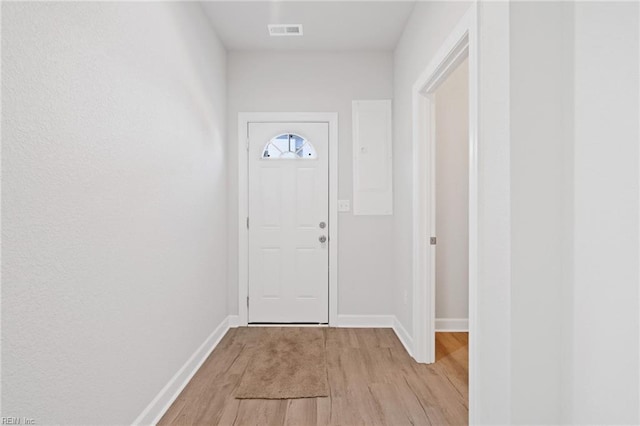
289 146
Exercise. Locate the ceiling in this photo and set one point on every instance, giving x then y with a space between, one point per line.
327 25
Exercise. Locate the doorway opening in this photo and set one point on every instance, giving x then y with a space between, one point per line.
460 48
451 208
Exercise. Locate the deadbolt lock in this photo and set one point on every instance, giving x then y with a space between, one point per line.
323 225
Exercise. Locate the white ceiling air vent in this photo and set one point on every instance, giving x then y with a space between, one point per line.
285 29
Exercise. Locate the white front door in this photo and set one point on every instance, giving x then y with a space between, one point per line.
288 222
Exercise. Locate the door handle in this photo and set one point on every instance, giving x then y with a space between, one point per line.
322 239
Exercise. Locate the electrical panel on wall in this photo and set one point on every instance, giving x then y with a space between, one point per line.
372 158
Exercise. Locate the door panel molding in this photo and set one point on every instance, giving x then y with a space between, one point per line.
288 198
243 200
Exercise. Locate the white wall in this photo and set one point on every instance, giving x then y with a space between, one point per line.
574 179
490 376
541 209
452 195
606 352
114 211
326 82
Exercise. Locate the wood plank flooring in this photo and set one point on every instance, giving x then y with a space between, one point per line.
372 380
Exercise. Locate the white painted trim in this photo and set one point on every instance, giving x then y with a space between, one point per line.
285 325
452 324
234 321
378 321
638 371
460 44
152 414
403 336
473 209
365 321
333 218
244 118
422 299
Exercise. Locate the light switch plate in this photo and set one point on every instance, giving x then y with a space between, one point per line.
344 205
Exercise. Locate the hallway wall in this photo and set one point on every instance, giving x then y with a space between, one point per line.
574 183
324 82
606 302
114 204
452 196
541 209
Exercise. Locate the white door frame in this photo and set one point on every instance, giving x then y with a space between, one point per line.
244 118
462 43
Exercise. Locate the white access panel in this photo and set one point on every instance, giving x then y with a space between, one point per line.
372 158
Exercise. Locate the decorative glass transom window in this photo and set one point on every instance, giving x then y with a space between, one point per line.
289 145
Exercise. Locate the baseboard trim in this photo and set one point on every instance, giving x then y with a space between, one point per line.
152 414
365 321
379 321
234 321
452 324
403 336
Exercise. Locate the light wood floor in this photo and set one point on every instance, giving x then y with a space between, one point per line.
372 381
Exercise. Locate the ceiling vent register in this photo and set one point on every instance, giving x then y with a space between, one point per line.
276 30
